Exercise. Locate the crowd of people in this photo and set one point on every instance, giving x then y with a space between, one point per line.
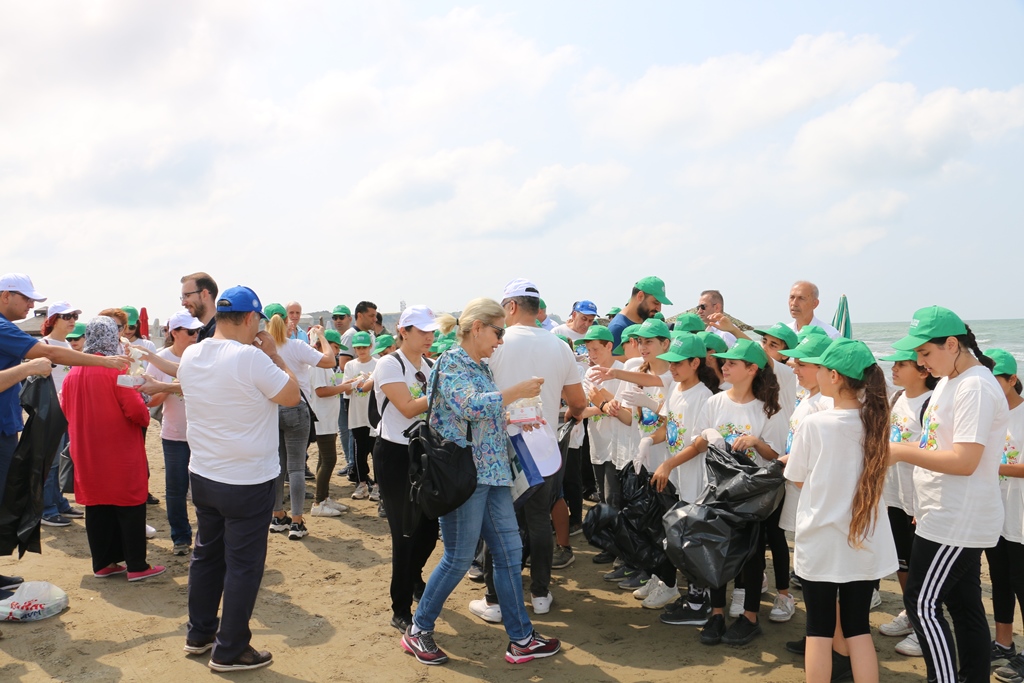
915 474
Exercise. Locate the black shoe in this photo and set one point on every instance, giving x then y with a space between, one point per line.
250 659
73 513
741 632
153 500
680 613
1012 672
713 631
10 583
604 557
842 669
55 520
401 623
619 573
797 647
795 582
417 593
634 581
309 475
1001 653
593 497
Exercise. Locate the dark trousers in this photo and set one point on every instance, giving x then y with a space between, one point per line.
946 575
775 538
535 516
588 474
410 553
326 446
1006 567
8 444
572 485
749 579
364 446
228 561
117 533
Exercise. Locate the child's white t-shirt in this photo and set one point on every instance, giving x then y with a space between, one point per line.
807 406
732 420
326 408
606 432
630 434
1013 487
359 401
647 420
681 411
787 387
905 427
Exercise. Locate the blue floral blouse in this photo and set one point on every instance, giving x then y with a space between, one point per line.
468 393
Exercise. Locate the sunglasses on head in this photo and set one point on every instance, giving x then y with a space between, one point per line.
68 316
189 332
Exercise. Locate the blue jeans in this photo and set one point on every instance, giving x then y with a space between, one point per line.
8 444
348 442
53 502
176 457
487 513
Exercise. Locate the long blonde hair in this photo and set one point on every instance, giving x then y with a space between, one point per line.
278 329
483 309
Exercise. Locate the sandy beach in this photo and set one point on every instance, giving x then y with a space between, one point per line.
323 612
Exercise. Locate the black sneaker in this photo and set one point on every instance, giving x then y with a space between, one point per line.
73 513
604 557
562 557
309 475
713 630
297 531
842 669
681 613
575 529
55 520
741 632
797 647
1013 672
1002 653
634 581
619 573
417 592
250 659
795 581
10 582
153 500
401 623
280 525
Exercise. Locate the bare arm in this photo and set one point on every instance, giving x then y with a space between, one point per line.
316 332
63 356
962 460
399 396
575 399
1015 470
22 371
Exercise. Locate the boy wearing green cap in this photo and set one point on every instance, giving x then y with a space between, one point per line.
325 400
646 299
357 372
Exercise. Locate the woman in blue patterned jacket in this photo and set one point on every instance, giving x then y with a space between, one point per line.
467 394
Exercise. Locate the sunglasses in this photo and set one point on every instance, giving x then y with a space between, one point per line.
701 307
68 316
499 331
189 332
339 317
422 379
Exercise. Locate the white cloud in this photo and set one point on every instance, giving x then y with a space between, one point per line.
701 105
893 130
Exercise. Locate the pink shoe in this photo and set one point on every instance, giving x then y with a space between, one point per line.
152 571
110 571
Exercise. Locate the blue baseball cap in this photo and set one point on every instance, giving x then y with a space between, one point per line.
240 299
585 307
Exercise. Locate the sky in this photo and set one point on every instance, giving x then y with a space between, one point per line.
427 152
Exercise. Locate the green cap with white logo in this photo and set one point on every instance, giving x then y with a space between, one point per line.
849 357
747 351
684 348
689 322
713 342
934 322
654 286
1006 364
781 331
598 333
811 346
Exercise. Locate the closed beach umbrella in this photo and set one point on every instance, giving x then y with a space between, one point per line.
841 320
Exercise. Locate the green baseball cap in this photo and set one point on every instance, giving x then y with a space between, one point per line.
341 310
849 357
810 329
900 356
1006 364
684 348
564 338
270 310
384 341
811 346
934 322
133 314
542 305
654 286
712 341
652 327
361 339
612 312
78 332
334 337
746 350
689 322
598 333
781 331
659 315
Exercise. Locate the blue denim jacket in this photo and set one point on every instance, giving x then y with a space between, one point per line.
468 393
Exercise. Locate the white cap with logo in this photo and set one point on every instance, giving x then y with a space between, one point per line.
61 307
20 283
420 317
183 319
520 287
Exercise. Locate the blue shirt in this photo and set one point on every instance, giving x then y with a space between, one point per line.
14 344
300 334
616 326
468 394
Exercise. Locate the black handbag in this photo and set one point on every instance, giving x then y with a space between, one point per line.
442 474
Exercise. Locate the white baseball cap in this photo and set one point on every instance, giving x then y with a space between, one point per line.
520 287
20 283
183 319
60 307
420 317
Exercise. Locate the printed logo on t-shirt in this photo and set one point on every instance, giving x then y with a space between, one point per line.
648 421
674 432
1011 455
730 432
899 429
931 426
416 390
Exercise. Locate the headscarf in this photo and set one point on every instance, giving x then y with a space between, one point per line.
102 337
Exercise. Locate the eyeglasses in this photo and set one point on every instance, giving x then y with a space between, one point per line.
68 316
189 332
499 331
186 295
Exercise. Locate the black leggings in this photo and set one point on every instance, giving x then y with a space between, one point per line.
572 485
777 543
820 600
364 446
749 579
117 533
1006 567
902 526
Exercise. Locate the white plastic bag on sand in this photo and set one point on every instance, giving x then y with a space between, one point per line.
34 600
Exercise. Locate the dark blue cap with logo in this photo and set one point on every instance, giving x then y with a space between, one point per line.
239 299
585 307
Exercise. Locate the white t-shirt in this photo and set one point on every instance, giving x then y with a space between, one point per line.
828 457
832 332
606 432
61 371
300 357
681 410
727 337
787 388
325 408
630 434
963 511
808 406
359 401
173 425
568 332
1013 487
647 420
732 420
905 427
535 352
389 371
232 423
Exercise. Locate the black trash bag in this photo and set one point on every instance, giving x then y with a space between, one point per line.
739 486
599 526
640 536
22 508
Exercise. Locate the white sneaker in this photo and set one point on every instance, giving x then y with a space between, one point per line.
909 646
643 591
876 599
542 605
334 504
764 583
660 596
489 613
736 608
361 492
783 609
375 494
150 532
900 626
323 510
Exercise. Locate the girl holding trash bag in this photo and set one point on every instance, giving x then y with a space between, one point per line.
747 417
957 499
839 460
468 395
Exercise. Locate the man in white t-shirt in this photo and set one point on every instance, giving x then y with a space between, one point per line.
232 384
803 299
529 351
580 320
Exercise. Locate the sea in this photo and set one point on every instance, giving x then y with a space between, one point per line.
991 334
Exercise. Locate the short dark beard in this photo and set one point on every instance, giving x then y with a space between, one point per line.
643 311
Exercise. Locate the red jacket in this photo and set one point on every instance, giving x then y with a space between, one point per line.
105 424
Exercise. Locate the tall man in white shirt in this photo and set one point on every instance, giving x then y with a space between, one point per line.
803 299
232 384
